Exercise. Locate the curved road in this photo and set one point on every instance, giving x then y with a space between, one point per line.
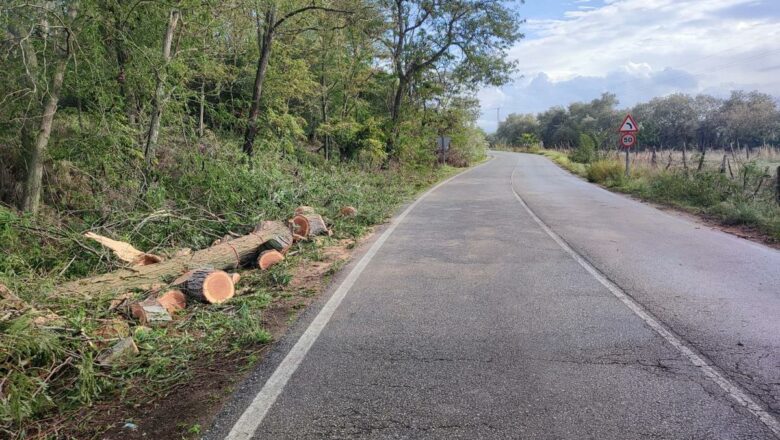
517 301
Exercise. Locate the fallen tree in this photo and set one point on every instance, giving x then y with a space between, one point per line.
241 251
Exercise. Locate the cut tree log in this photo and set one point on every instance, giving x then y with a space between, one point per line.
210 286
241 251
125 251
123 349
268 259
150 312
309 225
173 301
280 242
235 277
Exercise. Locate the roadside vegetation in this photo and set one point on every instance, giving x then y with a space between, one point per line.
716 158
171 125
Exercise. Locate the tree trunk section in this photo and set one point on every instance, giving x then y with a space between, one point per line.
173 301
34 182
283 238
701 159
150 312
201 126
268 259
262 67
210 286
159 93
238 252
395 115
309 225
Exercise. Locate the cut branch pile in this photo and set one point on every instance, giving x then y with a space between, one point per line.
185 277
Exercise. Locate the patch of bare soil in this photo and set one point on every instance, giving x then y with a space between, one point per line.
188 408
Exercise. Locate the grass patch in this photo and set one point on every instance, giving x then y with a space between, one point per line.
562 159
605 171
748 199
49 370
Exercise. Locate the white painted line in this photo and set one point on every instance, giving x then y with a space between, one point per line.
732 389
250 420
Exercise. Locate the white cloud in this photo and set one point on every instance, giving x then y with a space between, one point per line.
664 45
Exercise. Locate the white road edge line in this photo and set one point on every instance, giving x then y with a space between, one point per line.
732 389
254 414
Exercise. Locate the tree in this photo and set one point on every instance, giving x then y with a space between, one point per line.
469 38
60 38
267 28
515 129
159 93
750 118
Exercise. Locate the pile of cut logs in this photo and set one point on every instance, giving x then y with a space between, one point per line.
200 276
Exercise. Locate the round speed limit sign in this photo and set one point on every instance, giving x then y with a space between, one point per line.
628 140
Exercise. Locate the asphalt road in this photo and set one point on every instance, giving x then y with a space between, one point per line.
471 321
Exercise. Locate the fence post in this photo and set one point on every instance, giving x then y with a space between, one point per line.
777 187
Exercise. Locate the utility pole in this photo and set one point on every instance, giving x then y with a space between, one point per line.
498 117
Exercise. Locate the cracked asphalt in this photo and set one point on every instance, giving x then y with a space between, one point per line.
472 323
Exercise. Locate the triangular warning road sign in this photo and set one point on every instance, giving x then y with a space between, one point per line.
629 125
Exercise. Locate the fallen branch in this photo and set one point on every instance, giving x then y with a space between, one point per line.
125 251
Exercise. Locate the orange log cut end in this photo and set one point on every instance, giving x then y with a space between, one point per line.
173 301
269 258
210 286
300 226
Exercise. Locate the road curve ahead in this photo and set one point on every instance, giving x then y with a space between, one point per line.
517 301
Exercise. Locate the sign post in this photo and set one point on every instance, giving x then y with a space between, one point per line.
628 131
443 146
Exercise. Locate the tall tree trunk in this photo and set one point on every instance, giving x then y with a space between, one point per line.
159 93
201 126
324 109
28 124
34 182
395 115
266 41
701 159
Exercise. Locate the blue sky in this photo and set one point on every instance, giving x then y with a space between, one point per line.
575 50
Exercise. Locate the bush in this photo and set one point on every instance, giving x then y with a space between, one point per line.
703 190
606 171
586 151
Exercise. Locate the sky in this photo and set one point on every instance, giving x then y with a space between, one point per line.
575 50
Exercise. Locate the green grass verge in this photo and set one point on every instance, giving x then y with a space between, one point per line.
48 371
747 199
